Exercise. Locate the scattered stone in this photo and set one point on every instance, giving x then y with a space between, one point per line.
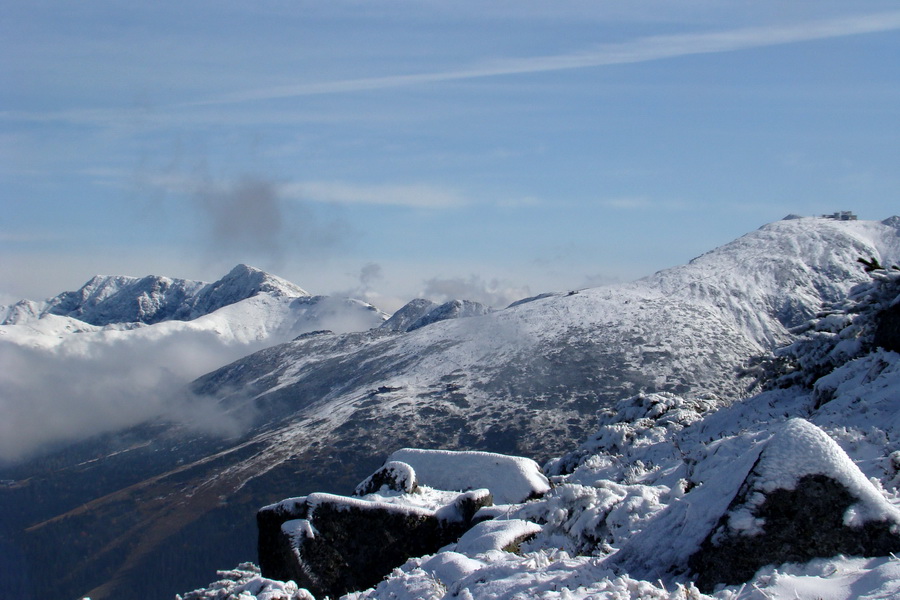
396 476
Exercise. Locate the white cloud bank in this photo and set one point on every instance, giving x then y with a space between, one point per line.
58 387
64 394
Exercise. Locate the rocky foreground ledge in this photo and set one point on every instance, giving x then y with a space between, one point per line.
417 503
792 498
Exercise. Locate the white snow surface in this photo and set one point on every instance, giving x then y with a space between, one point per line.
346 503
495 535
509 478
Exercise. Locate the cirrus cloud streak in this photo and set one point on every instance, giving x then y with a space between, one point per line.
639 50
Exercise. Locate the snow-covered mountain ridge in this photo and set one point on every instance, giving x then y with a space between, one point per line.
653 501
527 380
106 300
682 330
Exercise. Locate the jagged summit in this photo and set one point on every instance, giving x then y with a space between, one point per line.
893 221
242 282
106 299
122 299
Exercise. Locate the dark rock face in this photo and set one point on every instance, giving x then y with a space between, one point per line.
332 545
409 314
887 332
275 554
799 525
454 309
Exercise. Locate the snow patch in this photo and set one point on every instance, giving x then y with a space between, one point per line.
509 478
495 535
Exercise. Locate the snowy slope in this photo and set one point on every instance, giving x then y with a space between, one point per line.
634 502
527 380
543 366
610 532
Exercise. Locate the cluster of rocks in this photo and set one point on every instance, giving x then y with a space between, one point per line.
802 498
418 502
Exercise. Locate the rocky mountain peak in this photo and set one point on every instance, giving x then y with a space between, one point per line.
110 299
242 282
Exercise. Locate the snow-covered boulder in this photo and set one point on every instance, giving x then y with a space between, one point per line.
332 545
418 502
511 479
803 499
496 535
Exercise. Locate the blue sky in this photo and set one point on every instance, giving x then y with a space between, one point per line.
396 149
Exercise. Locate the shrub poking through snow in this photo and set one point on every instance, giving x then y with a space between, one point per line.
246 582
632 435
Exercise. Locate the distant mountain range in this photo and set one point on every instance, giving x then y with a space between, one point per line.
322 410
123 300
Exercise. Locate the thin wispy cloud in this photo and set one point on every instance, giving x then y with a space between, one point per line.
415 195
30 237
411 196
644 203
640 50
644 49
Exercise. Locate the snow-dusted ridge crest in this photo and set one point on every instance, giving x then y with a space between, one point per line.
120 299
